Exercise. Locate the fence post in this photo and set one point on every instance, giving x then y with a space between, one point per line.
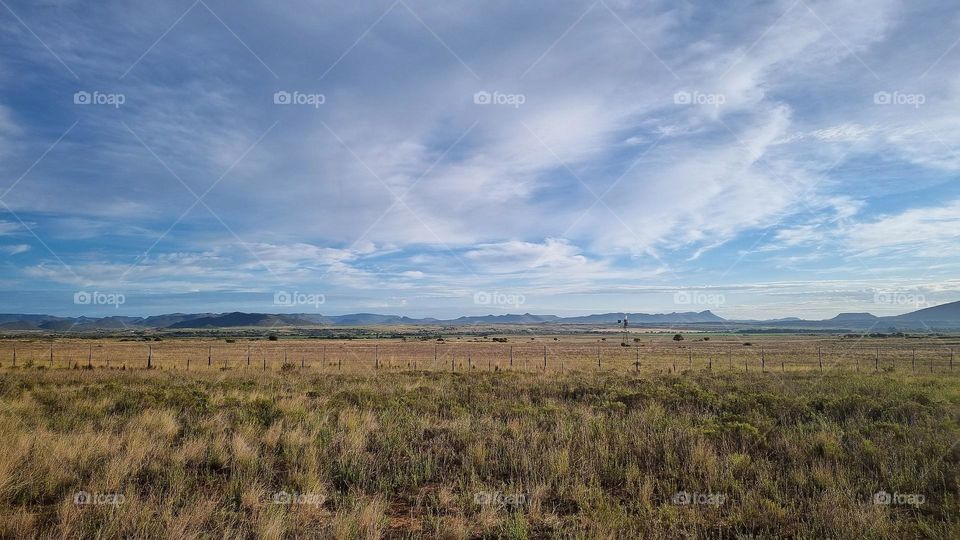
15 355
89 357
149 356
544 358
820 358
951 359
913 361
690 358
248 355
209 356
188 362
876 362
638 360
511 356
598 357
376 356
51 357
763 361
710 363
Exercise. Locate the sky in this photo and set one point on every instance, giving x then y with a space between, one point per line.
759 159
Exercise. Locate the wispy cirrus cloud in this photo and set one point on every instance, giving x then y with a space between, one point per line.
15 249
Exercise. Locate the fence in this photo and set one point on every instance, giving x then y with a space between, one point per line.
473 356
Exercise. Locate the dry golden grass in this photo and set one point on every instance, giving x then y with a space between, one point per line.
404 453
655 353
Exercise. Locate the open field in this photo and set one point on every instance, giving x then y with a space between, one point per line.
646 353
402 453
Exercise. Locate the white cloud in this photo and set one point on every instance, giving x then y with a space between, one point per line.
927 232
8 227
15 249
509 257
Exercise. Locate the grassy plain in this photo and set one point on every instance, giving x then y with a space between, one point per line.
403 452
644 352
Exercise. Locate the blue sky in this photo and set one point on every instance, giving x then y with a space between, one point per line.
759 159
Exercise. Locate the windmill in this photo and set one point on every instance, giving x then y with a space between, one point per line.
624 325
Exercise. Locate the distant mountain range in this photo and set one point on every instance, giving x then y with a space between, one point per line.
943 317
238 320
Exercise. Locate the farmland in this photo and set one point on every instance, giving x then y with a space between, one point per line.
376 438
652 353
